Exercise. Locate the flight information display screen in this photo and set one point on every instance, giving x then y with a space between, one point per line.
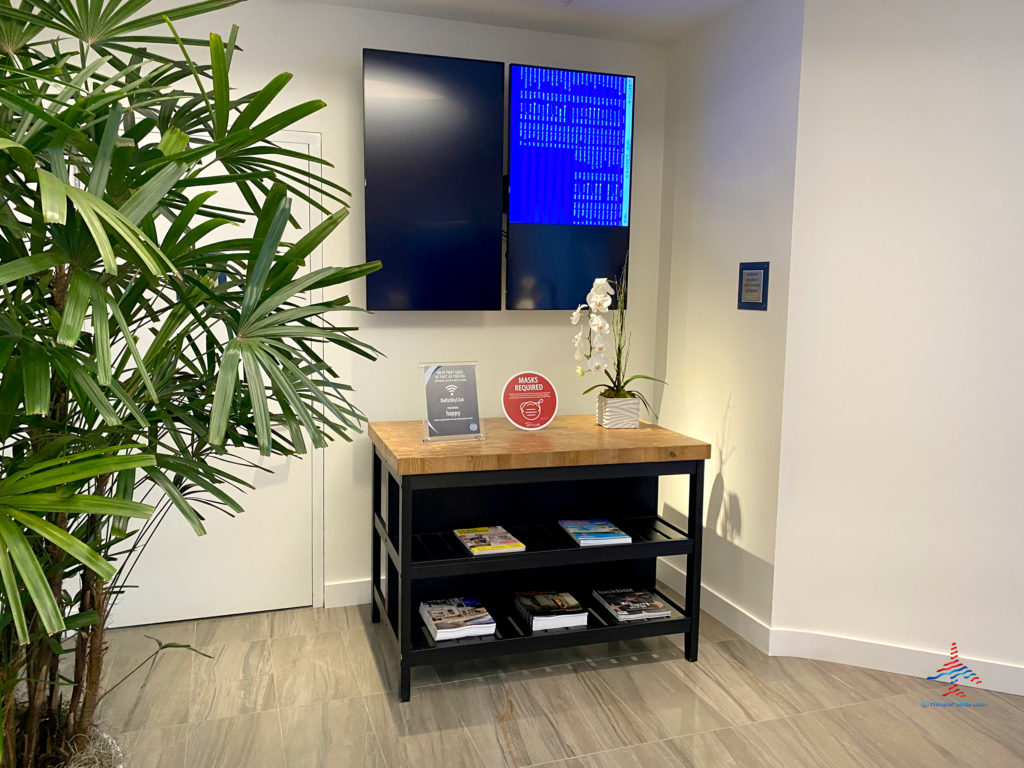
570 147
434 181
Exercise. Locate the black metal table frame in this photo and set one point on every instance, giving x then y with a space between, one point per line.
396 604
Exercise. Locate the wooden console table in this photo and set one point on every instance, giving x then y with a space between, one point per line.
527 481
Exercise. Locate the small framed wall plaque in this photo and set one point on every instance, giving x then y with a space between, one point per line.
753 290
452 408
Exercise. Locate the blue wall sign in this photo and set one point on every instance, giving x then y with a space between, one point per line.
753 288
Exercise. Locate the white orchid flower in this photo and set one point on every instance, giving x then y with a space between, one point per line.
599 343
575 316
579 356
602 286
578 338
599 325
598 302
598 363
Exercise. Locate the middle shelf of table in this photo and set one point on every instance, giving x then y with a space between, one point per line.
440 553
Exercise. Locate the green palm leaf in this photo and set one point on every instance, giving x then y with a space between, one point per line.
134 335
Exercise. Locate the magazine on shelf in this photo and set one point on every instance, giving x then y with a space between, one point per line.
550 610
489 540
456 617
593 533
632 604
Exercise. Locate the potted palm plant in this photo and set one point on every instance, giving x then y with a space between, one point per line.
602 347
139 335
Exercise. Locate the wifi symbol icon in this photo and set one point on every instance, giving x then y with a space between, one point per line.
451 389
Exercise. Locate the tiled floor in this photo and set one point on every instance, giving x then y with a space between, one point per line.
312 688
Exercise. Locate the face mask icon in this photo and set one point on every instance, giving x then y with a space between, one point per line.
530 410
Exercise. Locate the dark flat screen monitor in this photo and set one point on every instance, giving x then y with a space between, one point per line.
434 177
569 166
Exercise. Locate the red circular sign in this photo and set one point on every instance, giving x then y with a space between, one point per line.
529 400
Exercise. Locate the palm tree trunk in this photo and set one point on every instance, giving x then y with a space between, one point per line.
10 759
81 657
91 695
53 735
36 668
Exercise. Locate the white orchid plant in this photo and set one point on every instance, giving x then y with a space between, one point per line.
602 345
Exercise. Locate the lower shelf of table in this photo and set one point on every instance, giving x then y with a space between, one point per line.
512 636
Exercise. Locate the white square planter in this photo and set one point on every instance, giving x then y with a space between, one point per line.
618 412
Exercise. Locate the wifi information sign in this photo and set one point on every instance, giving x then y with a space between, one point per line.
453 412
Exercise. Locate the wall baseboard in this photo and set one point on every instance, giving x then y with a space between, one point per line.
744 624
341 593
916 662
901 660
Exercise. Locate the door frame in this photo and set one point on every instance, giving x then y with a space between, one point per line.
314 143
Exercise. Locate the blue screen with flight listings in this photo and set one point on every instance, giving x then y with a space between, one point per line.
570 146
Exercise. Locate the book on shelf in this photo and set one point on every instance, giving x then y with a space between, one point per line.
594 533
550 610
632 604
489 540
456 617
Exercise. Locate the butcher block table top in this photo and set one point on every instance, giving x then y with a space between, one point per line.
569 441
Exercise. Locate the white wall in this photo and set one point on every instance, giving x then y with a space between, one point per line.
901 505
322 45
730 153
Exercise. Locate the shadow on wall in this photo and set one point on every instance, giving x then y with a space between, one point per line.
724 516
736 575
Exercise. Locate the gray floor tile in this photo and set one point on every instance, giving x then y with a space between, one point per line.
308 621
170 632
249 741
237 680
155 747
896 732
373 655
1007 698
307 688
992 735
713 631
152 695
811 741
333 733
424 733
874 684
232 629
312 668
661 700
720 749
540 716
799 685
468 670
653 648
728 687
650 649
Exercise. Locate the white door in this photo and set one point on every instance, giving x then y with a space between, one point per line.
267 558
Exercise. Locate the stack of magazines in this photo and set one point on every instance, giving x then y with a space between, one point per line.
550 610
593 533
489 540
456 617
632 604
